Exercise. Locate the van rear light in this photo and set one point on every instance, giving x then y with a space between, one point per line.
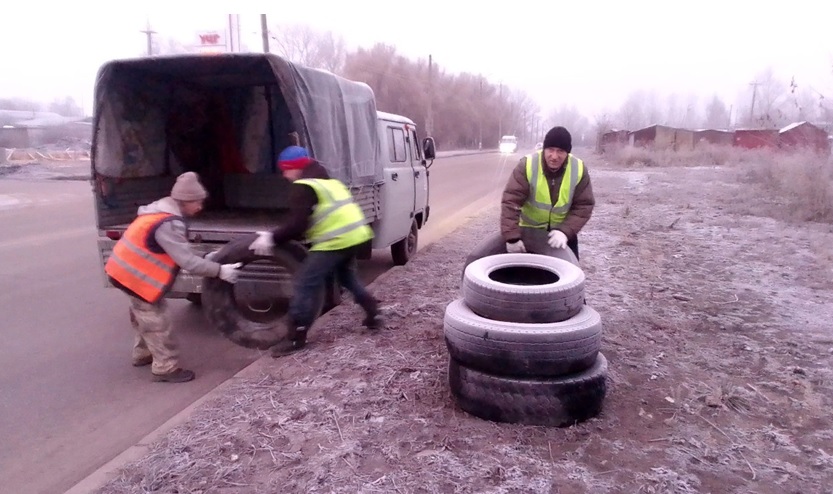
113 234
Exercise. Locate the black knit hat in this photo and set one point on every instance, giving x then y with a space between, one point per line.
558 137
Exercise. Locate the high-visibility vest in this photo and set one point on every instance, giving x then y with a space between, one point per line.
539 211
136 266
337 221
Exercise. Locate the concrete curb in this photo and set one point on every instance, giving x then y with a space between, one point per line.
464 152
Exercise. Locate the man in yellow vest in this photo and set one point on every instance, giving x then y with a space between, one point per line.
323 211
144 264
548 198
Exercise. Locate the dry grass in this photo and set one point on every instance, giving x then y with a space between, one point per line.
795 185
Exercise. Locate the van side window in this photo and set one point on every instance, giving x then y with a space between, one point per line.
398 152
417 153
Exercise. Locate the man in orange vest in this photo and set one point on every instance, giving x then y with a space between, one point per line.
144 264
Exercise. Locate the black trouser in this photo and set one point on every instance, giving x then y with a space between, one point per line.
572 243
310 281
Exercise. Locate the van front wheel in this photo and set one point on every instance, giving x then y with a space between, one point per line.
405 249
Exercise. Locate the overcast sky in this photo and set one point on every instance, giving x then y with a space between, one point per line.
587 53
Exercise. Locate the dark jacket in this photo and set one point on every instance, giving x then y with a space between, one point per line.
517 191
302 202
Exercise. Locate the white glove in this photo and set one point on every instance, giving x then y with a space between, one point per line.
557 239
516 247
263 245
230 272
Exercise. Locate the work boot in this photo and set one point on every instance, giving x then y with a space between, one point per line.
175 376
141 362
373 319
296 341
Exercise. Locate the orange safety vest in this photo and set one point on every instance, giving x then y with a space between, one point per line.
138 268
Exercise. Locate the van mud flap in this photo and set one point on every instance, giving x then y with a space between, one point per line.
252 312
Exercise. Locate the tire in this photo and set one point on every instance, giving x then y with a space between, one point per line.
194 298
405 249
252 314
522 350
523 288
551 402
494 244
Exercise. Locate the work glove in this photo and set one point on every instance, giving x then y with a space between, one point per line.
230 272
515 247
263 245
557 239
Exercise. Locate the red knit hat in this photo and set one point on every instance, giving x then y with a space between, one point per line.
294 158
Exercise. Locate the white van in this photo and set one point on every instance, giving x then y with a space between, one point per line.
508 144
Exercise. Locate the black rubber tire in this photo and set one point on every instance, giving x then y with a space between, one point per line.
221 308
405 249
523 288
552 402
494 244
522 350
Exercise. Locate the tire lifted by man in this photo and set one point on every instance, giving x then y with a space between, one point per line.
323 211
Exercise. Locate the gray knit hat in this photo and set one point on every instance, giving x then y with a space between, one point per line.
188 188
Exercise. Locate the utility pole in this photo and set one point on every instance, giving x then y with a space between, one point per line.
480 118
264 33
231 33
754 93
149 33
500 111
523 128
429 120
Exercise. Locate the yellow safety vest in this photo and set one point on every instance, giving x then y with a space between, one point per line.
337 221
539 211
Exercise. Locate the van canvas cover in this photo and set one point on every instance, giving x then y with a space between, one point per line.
136 101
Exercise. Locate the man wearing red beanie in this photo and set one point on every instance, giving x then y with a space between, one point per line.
337 233
548 198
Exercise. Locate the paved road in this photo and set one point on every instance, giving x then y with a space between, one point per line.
69 399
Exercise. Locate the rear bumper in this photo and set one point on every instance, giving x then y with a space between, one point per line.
256 277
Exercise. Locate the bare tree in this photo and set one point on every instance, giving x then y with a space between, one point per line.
769 95
66 107
301 44
578 125
717 116
639 110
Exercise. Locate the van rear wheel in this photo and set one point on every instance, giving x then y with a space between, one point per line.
405 249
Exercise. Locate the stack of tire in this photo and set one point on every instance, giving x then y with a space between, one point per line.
523 345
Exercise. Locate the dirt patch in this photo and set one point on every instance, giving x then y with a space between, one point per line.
717 333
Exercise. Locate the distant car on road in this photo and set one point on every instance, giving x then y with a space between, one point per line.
539 146
508 144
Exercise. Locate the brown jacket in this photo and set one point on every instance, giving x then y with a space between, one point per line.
517 190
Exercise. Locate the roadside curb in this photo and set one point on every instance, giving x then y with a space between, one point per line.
464 152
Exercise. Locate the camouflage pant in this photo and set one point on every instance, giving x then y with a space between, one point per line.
153 335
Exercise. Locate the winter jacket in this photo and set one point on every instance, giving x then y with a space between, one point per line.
517 190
